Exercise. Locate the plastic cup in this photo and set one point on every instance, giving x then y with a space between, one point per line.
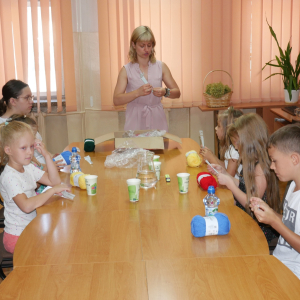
134 189
183 182
157 165
91 184
156 158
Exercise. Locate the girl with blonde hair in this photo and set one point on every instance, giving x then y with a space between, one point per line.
229 156
249 135
19 177
139 84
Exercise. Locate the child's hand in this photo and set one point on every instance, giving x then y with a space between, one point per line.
263 212
225 179
206 153
59 164
61 187
40 147
219 168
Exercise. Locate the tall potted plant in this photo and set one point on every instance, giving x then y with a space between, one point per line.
288 73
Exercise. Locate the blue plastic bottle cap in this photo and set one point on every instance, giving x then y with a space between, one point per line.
211 189
74 149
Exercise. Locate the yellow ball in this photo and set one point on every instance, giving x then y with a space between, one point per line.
78 179
193 159
74 177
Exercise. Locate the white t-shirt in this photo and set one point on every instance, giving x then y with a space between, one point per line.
232 153
40 158
291 218
13 183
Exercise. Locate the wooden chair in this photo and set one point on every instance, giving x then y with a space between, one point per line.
6 258
2 217
1 214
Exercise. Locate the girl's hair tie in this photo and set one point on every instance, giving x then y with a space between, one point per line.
7 121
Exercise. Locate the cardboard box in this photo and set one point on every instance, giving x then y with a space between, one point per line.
142 142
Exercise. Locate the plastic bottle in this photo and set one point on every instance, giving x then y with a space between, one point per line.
211 202
75 159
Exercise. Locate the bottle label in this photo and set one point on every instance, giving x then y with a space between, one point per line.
212 225
60 157
210 211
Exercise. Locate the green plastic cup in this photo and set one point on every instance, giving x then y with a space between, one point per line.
134 189
183 182
91 184
156 158
157 165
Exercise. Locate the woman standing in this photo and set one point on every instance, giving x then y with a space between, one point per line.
139 84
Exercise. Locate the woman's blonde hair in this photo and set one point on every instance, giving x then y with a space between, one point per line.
253 138
141 34
9 132
226 118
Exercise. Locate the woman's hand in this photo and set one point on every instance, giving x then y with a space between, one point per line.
206 153
263 212
144 90
159 91
40 147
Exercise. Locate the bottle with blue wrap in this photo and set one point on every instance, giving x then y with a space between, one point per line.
211 202
64 157
75 161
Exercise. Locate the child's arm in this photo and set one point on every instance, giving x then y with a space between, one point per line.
233 185
208 155
27 205
51 177
267 215
232 166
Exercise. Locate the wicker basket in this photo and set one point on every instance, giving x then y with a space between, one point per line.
224 100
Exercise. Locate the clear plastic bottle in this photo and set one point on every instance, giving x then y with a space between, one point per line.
75 161
211 202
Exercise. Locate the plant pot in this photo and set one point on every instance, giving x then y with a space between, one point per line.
295 96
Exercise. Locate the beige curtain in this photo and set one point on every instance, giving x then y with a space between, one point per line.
14 46
194 37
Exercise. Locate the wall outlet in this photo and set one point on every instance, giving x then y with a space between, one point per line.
91 101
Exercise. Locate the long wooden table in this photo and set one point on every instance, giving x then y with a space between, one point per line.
105 247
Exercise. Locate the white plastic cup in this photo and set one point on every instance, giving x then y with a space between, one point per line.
183 182
157 166
91 184
156 158
133 185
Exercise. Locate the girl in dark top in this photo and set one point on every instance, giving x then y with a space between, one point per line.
249 135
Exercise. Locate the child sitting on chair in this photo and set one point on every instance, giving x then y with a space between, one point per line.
284 151
19 177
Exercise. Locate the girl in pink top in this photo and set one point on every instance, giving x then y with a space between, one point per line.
139 84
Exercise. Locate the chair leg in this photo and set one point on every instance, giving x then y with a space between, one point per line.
2 275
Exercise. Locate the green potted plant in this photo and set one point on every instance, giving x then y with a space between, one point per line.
288 73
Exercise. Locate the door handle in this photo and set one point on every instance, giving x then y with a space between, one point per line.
280 120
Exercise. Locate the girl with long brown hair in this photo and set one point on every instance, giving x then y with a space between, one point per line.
249 135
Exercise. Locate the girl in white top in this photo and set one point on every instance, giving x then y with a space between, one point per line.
229 156
19 177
